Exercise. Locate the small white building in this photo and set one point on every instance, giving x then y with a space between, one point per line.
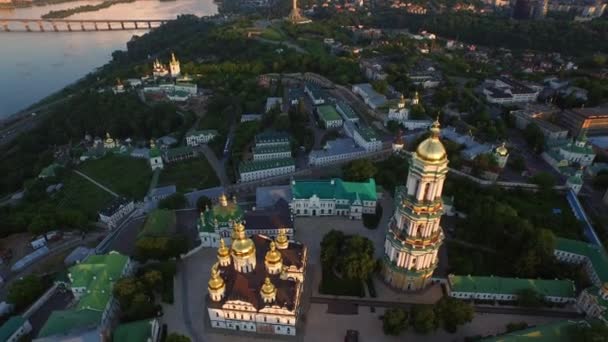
347 112
201 137
271 152
335 151
508 91
116 211
371 98
316 95
363 136
273 102
329 117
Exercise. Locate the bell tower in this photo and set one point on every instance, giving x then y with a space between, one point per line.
414 233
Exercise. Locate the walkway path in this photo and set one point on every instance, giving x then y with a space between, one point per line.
97 183
186 302
286 43
217 165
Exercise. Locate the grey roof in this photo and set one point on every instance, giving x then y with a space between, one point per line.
267 196
78 254
163 191
337 147
275 217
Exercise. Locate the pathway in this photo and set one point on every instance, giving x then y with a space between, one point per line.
186 313
217 165
97 183
286 43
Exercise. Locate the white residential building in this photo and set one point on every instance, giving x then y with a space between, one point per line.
507 91
371 98
14 329
335 151
363 136
333 197
116 211
254 170
197 138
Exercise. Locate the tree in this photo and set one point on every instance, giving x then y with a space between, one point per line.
453 312
175 337
153 279
203 202
380 86
25 291
359 170
330 247
529 298
594 332
544 180
517 163
394 321
371 220
357 258
534 137
423 319
173 202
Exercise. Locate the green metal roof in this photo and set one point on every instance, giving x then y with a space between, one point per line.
64 321
335 188
158 223
347 110
271 149
511 286
553 332
328 113
271 137
251 166
138 331
368 133
596 255
154 152
178 151
9 327
97 274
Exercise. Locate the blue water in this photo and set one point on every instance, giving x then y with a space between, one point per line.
35 65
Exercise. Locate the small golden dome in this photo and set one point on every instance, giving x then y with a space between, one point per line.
282 241
241 245
273 256
222 251
216 282
268 288
502 150
431 149
109 138
223 200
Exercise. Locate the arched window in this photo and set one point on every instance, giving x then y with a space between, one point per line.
427 187
419 229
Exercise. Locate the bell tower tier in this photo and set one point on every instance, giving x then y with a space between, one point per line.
414 233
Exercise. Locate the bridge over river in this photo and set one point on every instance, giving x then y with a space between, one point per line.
77 25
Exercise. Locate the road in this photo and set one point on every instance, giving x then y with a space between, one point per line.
96 183
217 165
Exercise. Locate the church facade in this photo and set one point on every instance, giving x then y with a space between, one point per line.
414 234
257 284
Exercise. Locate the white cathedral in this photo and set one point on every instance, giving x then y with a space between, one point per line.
257 284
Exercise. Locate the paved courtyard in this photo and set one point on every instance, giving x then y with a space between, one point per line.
322 326
310 230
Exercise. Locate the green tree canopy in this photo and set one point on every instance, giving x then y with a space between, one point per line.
25 291
359 170
424 320
453 312
394 321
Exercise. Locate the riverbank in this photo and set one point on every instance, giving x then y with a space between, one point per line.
61 14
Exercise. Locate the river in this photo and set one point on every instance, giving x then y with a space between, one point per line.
35 65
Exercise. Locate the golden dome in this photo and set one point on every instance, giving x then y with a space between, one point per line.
222 251
282 241
216 282
223 200
268 288
273 256
431 149
502 150
109 138
241 245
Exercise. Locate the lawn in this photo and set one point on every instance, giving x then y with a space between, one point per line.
189 175
126 176
160 222
272 33
80 194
